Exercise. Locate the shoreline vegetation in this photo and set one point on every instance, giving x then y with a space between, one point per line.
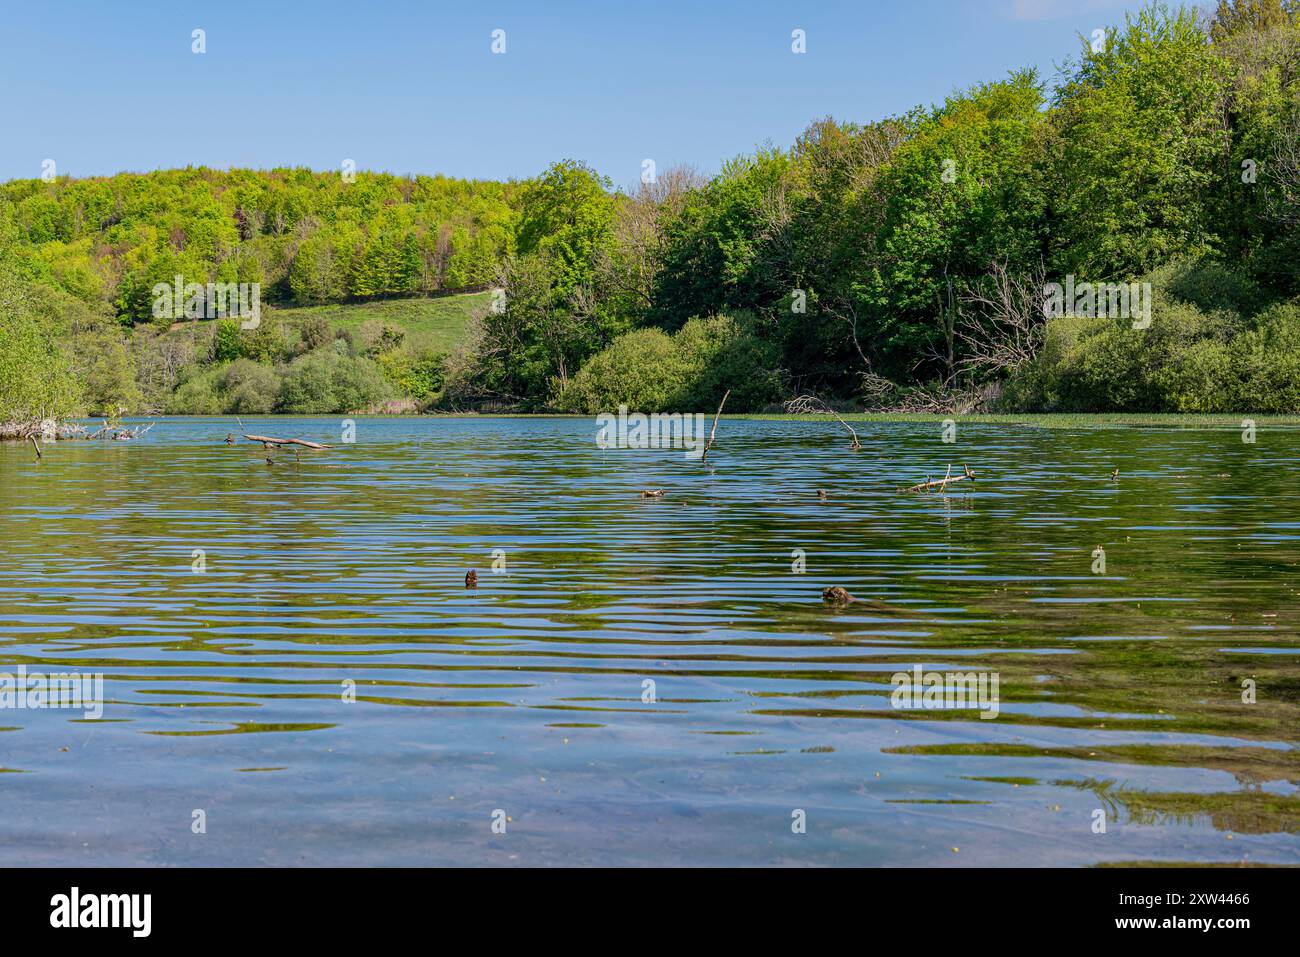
1233 422
1124 240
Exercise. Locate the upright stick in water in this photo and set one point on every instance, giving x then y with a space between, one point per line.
714 432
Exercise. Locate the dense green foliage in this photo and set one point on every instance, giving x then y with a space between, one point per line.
904 262
1206 351
901 263
306 236
650 369
35 379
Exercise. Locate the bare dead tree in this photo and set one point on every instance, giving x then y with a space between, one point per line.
1282 173
876 389
629 267
941 398
844 311
1002 323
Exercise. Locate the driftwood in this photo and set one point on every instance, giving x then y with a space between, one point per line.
714 433
943 483
268 442
51 431
115 432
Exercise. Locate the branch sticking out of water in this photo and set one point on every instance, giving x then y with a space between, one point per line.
811 405
944 482
712 434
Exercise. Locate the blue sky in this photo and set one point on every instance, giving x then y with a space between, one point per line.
415 88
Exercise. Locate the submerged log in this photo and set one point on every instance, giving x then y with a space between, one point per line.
268 442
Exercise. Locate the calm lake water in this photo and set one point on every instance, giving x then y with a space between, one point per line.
1120 693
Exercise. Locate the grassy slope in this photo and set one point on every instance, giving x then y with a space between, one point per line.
439 323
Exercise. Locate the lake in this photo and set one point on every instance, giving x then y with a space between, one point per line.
295 673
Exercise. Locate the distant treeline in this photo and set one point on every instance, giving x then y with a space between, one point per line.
304 236
898 264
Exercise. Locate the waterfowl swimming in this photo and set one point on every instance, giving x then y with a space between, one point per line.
837 596
471 579
653 493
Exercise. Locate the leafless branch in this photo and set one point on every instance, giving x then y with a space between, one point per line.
1002 323
812 405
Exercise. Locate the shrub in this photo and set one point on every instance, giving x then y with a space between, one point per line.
1105 365
725 355
639 369
419 376
266 343
324 381
1210 286
1268 362
650 371
1198 379
227 344
315 332
378 336
200 395
249 387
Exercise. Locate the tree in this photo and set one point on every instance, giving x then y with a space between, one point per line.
566 215
1236 16
36 382
1139 150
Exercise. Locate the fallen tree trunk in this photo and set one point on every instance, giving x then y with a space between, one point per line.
268 441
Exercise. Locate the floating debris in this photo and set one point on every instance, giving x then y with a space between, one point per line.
837 596
943 483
